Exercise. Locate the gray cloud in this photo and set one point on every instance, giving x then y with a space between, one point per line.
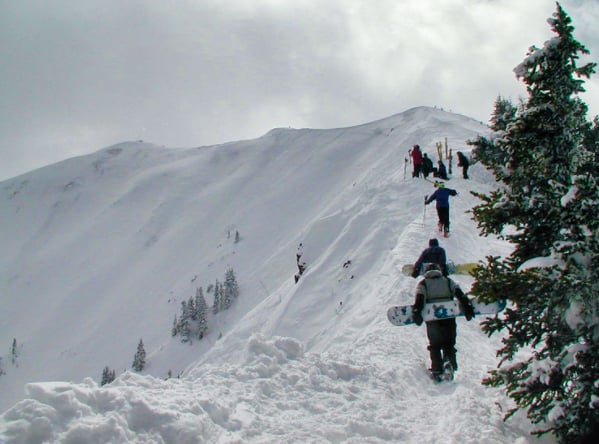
78 76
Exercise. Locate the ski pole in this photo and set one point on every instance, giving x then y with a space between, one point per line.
424 212
405 166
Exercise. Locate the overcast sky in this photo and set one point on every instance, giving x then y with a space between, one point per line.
77 76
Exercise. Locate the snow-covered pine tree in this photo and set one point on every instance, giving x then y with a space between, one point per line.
217 306
230 289
175 328
14 353
191 309
548 207
139 360
184 325
201 313
490 151
107 376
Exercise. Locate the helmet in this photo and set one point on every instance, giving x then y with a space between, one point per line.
439 184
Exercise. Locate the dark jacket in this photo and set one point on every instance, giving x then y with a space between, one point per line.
433 254
441 195
428 163
462 160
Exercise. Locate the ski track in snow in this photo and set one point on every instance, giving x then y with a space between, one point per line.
315 362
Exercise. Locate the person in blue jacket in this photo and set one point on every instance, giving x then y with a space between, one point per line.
441 195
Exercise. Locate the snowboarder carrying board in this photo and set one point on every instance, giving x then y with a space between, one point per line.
441 195
441 333
433 254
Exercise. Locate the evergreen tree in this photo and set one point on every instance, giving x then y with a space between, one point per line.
191 309
490 151
230 289
217 306
547 206
201 313
184 325
193 321
175 328
2 372
139 360
107 376
237 237
13 351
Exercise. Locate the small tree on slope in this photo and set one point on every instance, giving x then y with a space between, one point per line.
547 205
139 360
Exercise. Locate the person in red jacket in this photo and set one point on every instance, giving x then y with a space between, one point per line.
416 160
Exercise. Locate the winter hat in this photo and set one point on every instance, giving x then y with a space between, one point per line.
433 243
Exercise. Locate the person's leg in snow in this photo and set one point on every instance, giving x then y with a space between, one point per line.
443 214
442 337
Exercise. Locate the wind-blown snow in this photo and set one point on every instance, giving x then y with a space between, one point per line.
99 251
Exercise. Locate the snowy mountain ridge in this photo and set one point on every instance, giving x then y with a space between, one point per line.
100 250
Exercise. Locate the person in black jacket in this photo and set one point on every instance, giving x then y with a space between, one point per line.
427 165
441 333
464 163
433 254
441 171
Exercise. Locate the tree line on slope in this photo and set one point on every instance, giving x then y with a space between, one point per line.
192 322
193 318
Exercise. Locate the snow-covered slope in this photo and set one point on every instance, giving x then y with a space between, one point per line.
99 251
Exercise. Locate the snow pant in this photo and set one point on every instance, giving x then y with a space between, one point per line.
443 214
441 337
417 170
465 171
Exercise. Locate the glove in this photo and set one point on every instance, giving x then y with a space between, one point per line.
415 273
417 316
468 310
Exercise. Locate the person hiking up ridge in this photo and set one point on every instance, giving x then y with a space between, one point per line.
427 166
433 254
464 163
441 333
417 160
441 195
